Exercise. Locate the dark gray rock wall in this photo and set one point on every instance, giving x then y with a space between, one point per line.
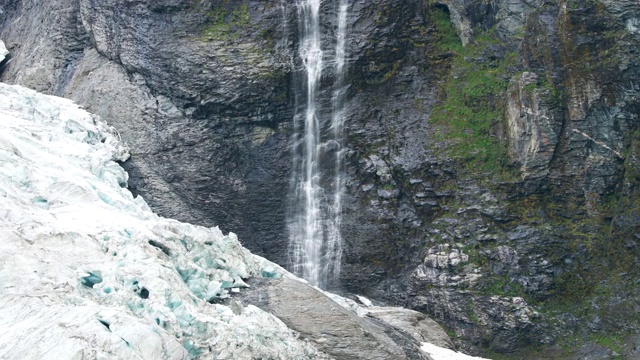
205 106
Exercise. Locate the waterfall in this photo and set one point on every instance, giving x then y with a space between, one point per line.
334 237
315 241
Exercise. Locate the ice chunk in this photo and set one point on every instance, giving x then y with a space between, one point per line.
270 272
92 278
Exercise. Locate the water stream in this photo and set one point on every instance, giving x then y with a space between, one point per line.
315 241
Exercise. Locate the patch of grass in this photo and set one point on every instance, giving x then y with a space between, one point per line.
225 22
471 103
612 342
448 35
570 344
503 287
394 70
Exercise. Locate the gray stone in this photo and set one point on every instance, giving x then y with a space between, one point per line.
331 328
414 323
533 126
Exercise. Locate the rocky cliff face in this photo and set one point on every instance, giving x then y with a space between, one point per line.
493 145
205 104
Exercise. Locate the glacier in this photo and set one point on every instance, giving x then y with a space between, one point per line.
87 271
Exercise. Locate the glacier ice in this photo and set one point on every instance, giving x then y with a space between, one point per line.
3 51
89 272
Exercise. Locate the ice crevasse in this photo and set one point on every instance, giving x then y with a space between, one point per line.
87 271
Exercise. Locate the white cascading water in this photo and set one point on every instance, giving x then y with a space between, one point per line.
334 236
315 241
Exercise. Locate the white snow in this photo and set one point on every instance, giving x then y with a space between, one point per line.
438 353
3 51
89 272
366 302
348 304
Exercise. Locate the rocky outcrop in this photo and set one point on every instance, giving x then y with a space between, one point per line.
532 126
493 239
412 322
335 330
508 17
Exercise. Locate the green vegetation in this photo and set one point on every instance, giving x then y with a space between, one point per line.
570 344
471 105
448 35
557 96
394 70
609 341
452 334
590 239
388 187
502 286
226 22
